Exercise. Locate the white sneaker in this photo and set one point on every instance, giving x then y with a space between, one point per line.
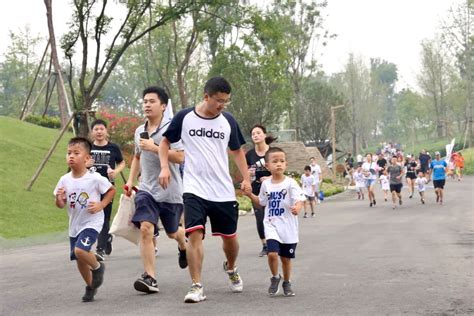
235 281
195 294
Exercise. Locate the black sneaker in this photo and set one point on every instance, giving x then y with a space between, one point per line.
287 290
411 196
146 284
264 251
100 255
108 245
182 259
89 294
98 276
370 204
375 203
274 282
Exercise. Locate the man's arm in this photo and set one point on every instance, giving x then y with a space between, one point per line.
134 169
164 153
241 162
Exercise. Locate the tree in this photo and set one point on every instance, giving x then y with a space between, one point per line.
17 69
434 79
317 97
90 24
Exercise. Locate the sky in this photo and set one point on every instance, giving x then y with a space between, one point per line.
388 29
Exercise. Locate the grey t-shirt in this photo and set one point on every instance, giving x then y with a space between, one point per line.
394 172
150 168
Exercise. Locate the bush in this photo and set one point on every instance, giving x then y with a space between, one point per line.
244 203
46 121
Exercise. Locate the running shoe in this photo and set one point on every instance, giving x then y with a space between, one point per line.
313 215
385 200
422 201
305 216
146 284
89 294
400 201
182 259
411 196
235 281
100 255
108 245
264 251
287 290
274 283
195 294
98 276
375 202
370 204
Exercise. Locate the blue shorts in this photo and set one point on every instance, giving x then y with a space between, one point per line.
84 241
369 182
284 250
148 210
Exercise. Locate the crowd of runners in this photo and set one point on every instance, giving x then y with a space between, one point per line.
391 168
201 138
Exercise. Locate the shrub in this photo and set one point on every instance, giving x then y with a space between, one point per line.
46 121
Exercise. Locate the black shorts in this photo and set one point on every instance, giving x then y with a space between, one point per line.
439 184
284 250
411 176
310 198
148 210
424 168
396 187
223 215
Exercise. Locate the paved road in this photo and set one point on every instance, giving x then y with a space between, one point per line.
352 260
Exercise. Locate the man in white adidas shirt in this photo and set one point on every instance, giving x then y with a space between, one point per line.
206 132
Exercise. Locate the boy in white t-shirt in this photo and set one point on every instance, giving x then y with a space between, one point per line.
309 188
80 190
421 186
359 182
316 172
385 184
283 200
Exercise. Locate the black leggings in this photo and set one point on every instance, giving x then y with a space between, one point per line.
259 215
104 233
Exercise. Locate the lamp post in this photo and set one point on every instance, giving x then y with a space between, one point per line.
333 132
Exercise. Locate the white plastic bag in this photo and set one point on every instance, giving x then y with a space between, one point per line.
122 225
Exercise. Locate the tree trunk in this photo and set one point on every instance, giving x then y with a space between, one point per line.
54 56
183 97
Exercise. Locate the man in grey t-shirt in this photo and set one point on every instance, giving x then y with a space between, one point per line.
395 173
152 201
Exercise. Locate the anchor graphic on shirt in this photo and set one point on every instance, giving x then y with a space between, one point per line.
86 242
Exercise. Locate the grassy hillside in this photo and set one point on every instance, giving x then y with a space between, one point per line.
22 148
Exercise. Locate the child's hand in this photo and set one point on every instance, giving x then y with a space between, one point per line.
95 207
61 194
295 210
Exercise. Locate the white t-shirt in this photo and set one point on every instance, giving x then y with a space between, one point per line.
384 182
420 184
279 223
316 172
80 192
308 183
205 142
359 179
369 170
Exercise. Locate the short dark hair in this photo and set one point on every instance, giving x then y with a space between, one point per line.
269 138
272 150
98 122
160 92
82 141
307 168
216 85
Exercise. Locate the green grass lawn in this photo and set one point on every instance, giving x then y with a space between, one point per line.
28 213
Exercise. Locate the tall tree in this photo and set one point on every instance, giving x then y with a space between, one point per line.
17 70
434 79
90 24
